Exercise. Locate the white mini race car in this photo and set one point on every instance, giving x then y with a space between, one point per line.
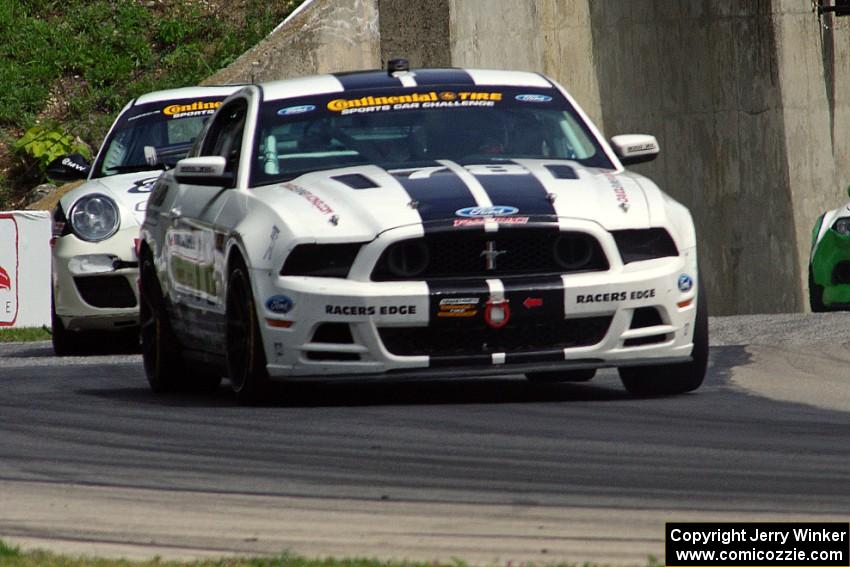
401 223
96 225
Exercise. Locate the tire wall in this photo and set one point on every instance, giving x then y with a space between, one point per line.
749 101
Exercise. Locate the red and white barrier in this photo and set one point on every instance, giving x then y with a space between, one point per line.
24 269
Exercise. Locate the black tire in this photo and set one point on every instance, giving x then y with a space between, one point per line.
246 358
160 349
549 377
65 342
816 295
162 355
671 379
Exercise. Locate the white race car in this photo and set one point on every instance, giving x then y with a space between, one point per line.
401 223
96 225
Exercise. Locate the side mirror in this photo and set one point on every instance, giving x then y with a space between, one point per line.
635 148
69 168
206 170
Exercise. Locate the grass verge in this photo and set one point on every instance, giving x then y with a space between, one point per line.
23 335
13 557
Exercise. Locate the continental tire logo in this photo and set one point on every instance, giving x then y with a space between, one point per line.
174 109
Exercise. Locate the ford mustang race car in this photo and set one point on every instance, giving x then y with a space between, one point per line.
96 224
829 264
402 223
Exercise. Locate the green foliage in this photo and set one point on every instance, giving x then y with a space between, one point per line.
43 145
93 56
7 550
20 335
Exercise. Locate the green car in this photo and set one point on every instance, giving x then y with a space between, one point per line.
829 268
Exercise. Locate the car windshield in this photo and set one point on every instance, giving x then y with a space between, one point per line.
153 135
401 129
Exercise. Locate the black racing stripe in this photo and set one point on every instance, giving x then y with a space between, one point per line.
439 195
367 80
535 300
428 77
553 355
524 192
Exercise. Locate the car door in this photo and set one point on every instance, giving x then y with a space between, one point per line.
195 257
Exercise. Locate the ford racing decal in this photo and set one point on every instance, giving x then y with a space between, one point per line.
279 304
533 98
494 211
300 109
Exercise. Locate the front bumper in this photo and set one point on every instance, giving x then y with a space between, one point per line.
626 316
95 283
831 267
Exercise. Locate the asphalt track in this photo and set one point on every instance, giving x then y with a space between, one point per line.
486 470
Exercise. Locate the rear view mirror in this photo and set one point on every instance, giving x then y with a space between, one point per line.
68 168
635 148
205 170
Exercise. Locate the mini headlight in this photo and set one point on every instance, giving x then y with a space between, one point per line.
94 217
842 226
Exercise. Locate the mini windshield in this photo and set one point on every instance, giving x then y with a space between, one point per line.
154 135
403 128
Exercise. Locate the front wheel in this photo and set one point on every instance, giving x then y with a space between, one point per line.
65 342
160 349
246 359
816 295
670 379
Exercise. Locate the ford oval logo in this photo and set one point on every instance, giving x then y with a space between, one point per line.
533 98
296 109
494 211
279 304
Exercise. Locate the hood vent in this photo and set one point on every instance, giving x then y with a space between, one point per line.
356 181
562 171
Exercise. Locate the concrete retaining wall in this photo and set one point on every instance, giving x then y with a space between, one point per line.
749 100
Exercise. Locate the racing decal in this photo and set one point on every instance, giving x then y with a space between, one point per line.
279 304
515 185
311 197
145 185
428 77
197 108
300 109
533 98
619 191
366 310
458 307
494 211
438 194
272 239
428 100
685 283
615 296
9 265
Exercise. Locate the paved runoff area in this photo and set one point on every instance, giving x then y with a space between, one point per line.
485 470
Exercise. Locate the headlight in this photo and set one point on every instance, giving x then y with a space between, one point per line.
842 226
94 217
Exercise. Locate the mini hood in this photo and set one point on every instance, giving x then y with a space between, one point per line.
130 191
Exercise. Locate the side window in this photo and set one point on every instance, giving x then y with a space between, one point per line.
225 134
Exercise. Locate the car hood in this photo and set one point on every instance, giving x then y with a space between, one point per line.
361 202
130 191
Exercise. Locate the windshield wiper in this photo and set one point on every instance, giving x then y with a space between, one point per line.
137 167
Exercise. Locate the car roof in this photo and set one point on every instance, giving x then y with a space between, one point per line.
188 92
368 80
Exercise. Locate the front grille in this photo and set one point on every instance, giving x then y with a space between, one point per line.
106 291
472 339
478 254
841 273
